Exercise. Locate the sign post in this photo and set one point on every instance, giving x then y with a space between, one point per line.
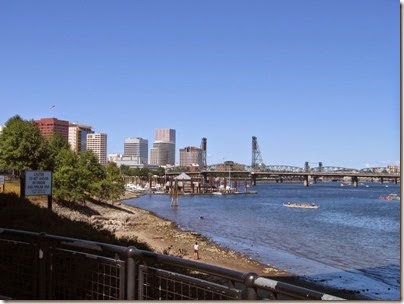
39 183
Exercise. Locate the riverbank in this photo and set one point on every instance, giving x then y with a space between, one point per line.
161 235
164 236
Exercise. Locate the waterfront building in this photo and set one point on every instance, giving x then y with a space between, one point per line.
191 156
78 137
49 126
127 160
97 142
163 151
393 169
136 149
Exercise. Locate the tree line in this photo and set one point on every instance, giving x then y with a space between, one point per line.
76 177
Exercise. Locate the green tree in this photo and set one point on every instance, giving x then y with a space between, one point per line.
126 170
92 171
22 147
69 182
56 144
112 186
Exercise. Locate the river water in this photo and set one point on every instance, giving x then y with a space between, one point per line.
352 241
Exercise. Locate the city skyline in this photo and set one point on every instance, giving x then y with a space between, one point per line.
315 81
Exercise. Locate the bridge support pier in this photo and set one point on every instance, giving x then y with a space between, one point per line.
355 181
395 181
306 181
381 180
253 179
205 177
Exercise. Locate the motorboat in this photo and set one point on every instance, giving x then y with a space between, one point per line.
390 197
301 205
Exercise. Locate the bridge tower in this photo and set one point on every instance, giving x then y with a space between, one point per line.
256 154
306 167
203 148
320 167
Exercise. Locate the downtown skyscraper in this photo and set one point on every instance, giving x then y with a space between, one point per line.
163 151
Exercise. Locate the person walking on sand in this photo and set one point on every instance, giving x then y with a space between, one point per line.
196 251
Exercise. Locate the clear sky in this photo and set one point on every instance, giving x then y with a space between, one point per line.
313 80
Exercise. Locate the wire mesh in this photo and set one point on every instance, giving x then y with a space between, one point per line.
77 276
158 284
17 269
36 266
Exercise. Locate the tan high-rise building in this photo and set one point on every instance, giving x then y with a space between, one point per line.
78 137
165 135
163 151
191 156
97 142
49 126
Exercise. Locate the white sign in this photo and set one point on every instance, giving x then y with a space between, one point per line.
2 180
38 183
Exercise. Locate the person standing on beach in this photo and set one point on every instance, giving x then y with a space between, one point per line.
196 251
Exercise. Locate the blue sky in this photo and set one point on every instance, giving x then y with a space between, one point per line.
313 80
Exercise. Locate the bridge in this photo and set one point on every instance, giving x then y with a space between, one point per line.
296 175
282 172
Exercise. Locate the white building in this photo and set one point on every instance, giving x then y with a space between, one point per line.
78 137
127 160
97 142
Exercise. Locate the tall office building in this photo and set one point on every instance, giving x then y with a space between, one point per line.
78 137
165 135
137 147
191 156
49 126
163 151
97 142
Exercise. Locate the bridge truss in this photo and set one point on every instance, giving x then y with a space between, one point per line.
332 169
287 168
279 168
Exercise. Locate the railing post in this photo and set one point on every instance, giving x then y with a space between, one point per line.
42 267
131 272
249 279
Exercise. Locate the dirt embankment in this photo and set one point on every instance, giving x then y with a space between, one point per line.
161 235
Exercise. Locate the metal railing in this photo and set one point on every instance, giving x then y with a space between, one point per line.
38 266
